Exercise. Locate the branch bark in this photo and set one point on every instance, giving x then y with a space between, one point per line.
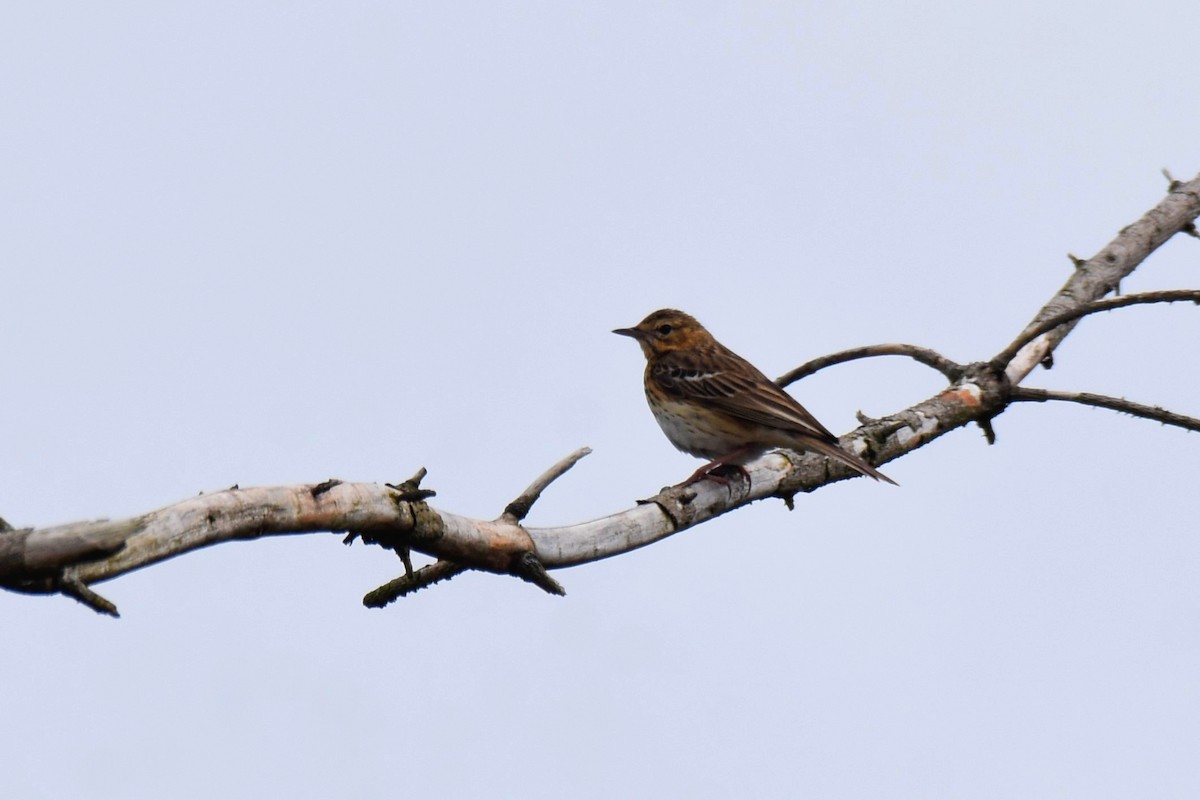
1103 272
68 559
922 355
1005 357
1156 413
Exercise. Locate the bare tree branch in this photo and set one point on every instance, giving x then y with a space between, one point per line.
1103 272
407 584
518 509
77 589
1025 394
1006 355
70 558
930 358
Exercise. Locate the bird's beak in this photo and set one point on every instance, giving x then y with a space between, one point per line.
631 332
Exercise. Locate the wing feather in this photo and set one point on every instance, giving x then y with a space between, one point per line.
728 383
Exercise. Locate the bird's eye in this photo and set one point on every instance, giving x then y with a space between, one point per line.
663 330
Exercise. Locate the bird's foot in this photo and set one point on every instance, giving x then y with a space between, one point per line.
712 471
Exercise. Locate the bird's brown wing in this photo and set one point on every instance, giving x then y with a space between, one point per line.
728 383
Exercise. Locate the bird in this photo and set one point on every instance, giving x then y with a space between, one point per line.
712 403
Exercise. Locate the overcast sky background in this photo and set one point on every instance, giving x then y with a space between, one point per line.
276 243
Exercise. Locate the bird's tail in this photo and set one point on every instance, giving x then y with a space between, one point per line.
838 453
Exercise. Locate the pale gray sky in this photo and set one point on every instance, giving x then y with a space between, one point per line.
282 242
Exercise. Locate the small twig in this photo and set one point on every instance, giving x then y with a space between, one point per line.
1022 393
425 576
405 554
324 486
411 488
886 427
529 568
930 358
1172 184
1171 296
518 509
77 589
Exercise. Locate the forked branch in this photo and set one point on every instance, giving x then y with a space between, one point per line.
1002 359
68 559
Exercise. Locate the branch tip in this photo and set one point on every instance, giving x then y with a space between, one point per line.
78 590
406 585
528 567
1172 184
519 508
1156 413
863 419
411 488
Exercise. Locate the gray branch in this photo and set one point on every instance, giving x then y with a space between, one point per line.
68 559
1156 413
1103 272
922 355
518 509
1072 315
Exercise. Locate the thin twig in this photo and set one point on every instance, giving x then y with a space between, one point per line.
1169 296
930 358
411 488
518 509
407 584
530 568
1102 273
77 589
1156 413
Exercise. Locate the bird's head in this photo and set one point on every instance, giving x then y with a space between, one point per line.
666 330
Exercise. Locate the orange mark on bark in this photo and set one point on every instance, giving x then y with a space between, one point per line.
968 395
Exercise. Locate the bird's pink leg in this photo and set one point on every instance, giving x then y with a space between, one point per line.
709 470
